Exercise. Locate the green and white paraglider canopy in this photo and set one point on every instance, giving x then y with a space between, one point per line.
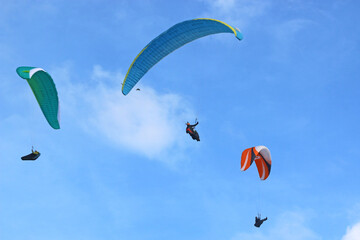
45 93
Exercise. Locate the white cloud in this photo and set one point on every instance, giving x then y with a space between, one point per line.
289 225
144 122
99 75
352 233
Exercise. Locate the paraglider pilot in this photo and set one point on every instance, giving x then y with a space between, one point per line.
191 131
32 156
34 152
259 221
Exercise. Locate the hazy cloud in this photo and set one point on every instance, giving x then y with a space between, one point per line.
237 13
352 233
99 75
145 122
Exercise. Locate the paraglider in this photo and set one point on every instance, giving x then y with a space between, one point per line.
45 92
259 221
43 87
32 156
262 157
170 40
190 129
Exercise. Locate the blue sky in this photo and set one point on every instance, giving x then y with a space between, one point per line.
122 167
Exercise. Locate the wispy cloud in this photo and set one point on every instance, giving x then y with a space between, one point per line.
286 35
290 28
352 233
144 122
243 13
289 225
354 212
15 10
237 13
99 75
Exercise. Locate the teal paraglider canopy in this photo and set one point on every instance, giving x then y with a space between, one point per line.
45 92
170 40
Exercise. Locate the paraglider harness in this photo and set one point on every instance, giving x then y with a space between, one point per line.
190 129
259 221
32 156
